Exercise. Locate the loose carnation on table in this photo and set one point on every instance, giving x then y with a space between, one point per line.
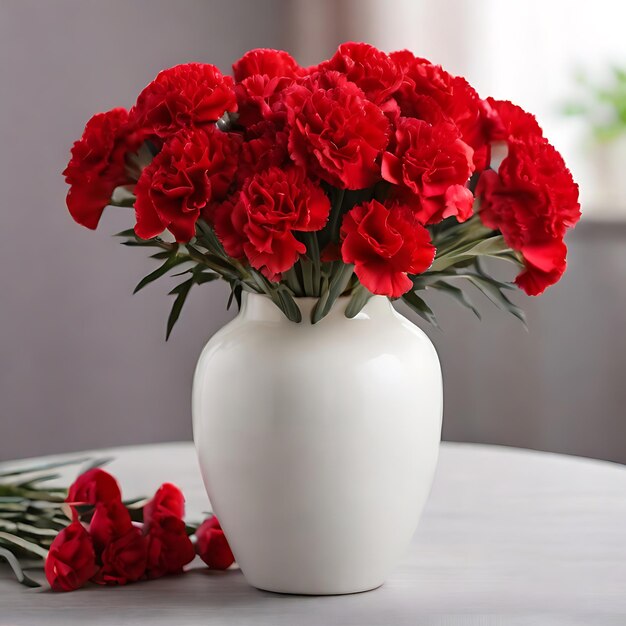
88 534
368 174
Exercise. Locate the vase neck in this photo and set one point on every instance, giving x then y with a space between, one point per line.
259 307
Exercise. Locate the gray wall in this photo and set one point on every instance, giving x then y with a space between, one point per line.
84 364
561 386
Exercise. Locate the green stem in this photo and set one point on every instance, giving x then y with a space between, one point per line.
335 216
313 252
307 277
291 278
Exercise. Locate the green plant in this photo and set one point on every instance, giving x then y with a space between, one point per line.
602 105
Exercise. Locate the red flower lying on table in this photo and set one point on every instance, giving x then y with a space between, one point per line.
106 542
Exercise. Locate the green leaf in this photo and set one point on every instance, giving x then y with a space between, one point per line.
35 480
279 294
218 264
420 307
22 543
493 246
492 289
360 297
235 295
338 282
126 233
210 239
96 463
170 263
42 467
14 564
141 243
160 256
293 282
458 294
205 277
21 529
291 309
181 291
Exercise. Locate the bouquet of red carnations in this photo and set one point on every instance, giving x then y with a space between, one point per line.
366 174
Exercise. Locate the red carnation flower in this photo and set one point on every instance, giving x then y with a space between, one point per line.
124 559
369 68
194 168
110 521
510 122
97 165
385 244
71 560
265 62
261 222
264 146
434 164
94 486
191 95
532 200
168 500
336 133
258 96
169 547
424 83
212 546
262 75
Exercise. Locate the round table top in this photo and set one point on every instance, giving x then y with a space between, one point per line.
508 536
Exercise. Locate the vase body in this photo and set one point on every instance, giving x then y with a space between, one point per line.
318 443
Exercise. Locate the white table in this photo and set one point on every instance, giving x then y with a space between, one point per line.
508 537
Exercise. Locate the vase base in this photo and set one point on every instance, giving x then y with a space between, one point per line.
327 591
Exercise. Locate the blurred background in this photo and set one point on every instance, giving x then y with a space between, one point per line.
84 364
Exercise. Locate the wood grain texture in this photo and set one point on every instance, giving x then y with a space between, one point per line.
508 537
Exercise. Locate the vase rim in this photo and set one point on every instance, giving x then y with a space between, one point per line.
260 306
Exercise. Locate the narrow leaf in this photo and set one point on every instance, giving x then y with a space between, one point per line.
22 528
160 256
170 262
95 463
290 307
43 467
22 543
493 246
35 480
14 564
492 289
360 296
182 292
280 296
205 277
210 239
126 233
458 294
420 307
291 278
337 285
214 262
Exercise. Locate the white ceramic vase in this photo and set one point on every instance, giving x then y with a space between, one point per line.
318 443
